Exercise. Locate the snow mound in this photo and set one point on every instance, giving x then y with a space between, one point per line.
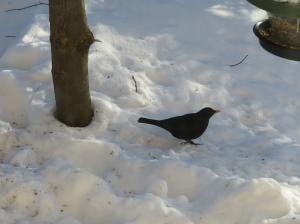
157 59
14 100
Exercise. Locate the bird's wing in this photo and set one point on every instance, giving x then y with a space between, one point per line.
180 120
180 124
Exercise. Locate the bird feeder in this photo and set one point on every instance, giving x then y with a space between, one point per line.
280 33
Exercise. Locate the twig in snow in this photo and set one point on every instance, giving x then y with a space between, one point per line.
96 40
8 36
135 83
30 6
239 62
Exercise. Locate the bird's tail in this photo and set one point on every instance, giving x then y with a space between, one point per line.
149 121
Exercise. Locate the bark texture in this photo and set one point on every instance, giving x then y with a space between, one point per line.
70 39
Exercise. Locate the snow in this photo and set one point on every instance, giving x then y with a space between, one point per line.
118 171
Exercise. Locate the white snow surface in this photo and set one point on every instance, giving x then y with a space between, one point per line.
247 169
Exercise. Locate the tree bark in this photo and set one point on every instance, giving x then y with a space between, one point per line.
70 39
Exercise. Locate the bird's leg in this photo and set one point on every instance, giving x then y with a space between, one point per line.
190 142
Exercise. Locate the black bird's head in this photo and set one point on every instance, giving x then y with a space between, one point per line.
207 112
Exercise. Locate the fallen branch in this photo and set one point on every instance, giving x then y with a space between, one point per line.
135 83
239 62
30 6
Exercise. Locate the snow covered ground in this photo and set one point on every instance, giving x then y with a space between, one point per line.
118 171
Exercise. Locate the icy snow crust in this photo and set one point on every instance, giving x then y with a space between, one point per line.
118 171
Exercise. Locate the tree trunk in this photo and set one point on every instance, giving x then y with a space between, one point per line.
70 39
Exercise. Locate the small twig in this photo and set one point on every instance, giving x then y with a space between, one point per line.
7 36
30 6
96 40
239 62
135 83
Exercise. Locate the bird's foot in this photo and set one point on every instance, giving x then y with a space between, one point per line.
190 142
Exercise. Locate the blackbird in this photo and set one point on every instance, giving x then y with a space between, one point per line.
186 127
